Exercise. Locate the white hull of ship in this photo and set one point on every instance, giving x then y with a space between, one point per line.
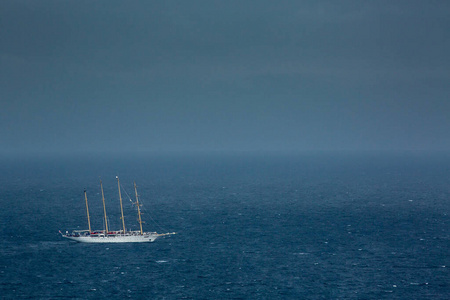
114 239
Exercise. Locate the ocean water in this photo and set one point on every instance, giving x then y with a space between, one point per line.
248 227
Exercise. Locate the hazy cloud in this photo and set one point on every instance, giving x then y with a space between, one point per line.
234 75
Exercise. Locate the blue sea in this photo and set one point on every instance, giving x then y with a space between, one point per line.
249 226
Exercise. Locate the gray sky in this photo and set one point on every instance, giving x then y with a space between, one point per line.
114 76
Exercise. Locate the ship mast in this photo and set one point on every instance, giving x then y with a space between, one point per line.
87 211
104 208
121 208
139 210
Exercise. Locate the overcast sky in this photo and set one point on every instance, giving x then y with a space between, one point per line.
112 76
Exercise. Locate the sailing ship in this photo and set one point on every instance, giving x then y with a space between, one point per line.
108 236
